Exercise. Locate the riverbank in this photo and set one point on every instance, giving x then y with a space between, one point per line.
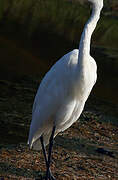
87 150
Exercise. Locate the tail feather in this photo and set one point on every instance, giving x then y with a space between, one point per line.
35 143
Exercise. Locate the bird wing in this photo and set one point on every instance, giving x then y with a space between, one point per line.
56 82
52 94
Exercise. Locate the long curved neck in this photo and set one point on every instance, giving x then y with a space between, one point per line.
84 47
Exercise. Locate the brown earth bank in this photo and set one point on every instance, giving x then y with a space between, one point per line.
86 151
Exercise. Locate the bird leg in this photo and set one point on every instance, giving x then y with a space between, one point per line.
49 152
45 157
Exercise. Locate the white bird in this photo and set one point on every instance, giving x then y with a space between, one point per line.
64 90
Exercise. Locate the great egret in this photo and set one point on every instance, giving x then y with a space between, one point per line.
63 91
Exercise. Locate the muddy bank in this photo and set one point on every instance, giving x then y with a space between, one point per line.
89 149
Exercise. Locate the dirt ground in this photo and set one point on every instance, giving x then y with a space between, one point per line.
86 151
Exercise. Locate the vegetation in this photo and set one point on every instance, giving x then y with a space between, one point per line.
63 17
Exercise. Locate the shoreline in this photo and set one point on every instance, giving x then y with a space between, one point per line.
88 149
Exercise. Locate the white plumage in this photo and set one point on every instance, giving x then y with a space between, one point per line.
64 90
61 97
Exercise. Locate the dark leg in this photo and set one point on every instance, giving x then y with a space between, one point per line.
49 153
45 156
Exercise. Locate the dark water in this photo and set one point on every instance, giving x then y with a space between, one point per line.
16 60
106 87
